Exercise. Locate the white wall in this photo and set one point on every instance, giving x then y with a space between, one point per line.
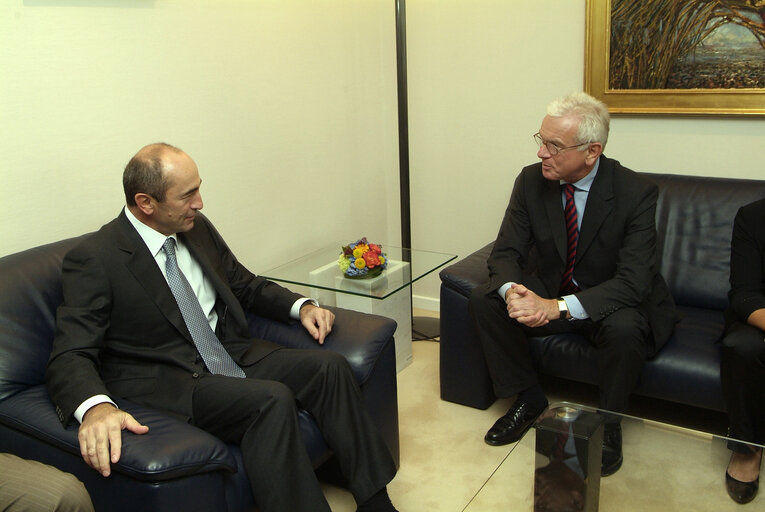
287 106
481 73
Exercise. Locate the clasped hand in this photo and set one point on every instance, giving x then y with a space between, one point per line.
528 308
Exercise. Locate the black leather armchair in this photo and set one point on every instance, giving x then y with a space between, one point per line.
176 466
694 221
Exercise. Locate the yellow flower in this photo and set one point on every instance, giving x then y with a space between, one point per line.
382 259
358 251
360 263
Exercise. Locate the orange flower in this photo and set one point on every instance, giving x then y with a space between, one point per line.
371 259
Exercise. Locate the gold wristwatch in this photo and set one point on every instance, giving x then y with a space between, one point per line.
562 308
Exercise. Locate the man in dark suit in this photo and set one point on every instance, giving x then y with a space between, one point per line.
154 311
576 252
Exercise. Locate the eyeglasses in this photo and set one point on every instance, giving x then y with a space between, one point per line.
552 147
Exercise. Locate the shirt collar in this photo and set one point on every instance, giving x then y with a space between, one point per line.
153 239
586 182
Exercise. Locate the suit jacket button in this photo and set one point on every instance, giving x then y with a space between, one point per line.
195 375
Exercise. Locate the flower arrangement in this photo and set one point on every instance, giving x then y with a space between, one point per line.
362 260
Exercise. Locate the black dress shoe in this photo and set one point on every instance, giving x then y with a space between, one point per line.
612 449
741 492
511 427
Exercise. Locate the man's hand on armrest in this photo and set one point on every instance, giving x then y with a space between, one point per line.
317 321
100 435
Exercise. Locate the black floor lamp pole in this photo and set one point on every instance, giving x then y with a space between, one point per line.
422 327
403 125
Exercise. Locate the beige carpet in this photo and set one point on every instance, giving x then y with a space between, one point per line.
444 461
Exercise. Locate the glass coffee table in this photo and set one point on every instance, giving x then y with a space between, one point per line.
666 468
318 275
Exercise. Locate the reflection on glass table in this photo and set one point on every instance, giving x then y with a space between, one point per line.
666 468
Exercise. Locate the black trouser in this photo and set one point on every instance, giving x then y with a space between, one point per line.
260 414
623 341
742 371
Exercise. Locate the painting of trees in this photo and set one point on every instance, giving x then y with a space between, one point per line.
649 39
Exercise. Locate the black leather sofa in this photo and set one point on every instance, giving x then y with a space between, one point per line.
176 466
694 220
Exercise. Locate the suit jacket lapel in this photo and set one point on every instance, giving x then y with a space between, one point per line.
223 290
144 268
554 207
600 203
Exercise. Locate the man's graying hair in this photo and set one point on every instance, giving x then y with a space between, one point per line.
145 173
593 115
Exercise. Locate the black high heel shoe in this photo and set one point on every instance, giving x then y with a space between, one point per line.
741 492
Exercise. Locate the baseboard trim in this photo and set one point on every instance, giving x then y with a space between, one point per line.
426 303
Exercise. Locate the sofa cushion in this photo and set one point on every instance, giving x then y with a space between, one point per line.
684 371
687 370
694 222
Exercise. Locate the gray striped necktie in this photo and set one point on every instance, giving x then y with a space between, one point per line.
218 361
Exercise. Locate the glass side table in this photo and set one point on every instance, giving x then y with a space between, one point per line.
387 294
666 467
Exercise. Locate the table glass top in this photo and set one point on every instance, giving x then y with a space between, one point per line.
320 270
665 468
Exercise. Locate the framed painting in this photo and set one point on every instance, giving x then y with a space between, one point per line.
702 57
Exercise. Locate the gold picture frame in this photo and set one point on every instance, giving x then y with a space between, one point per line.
750 102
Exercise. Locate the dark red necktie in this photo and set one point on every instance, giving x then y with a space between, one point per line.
572 236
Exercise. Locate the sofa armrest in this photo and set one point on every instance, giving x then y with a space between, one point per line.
469 272
360 337
171 449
